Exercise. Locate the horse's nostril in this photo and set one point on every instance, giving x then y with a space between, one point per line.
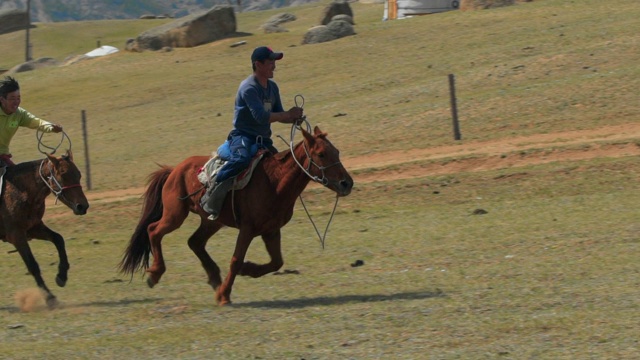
346 185
81 209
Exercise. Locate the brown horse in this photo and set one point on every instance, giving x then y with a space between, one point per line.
262 208
26 185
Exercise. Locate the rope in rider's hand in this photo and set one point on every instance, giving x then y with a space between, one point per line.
299 122
297 125
40 133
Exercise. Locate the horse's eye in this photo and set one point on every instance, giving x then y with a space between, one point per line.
321 155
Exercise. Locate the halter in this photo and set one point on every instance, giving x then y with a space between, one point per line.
322 180
51 180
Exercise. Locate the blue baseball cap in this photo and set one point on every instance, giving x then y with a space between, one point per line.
263 53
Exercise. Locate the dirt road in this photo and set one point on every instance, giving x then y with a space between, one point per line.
609 141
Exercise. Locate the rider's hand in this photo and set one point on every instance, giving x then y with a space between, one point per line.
295 115
56 128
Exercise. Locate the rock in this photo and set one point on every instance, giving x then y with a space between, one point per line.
190 31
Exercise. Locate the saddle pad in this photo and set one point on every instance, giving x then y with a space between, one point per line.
211 168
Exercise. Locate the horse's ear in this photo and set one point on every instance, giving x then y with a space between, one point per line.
317 131
310 139
54 160
70 155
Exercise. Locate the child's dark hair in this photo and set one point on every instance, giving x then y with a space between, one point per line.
8 85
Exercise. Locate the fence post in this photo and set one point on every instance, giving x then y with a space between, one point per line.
454 108
28 38
86 149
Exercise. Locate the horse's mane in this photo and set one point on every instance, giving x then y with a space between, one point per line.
23 167
283 155
27 166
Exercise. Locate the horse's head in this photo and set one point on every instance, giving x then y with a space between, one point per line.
64 182
324 163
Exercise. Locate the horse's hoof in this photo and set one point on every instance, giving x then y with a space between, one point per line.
150 282
60 281
222 301
215 286
52 302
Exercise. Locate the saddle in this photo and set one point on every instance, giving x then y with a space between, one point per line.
213 165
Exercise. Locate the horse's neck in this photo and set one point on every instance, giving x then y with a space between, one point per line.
29 178
288 175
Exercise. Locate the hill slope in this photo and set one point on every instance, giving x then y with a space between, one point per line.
384 90
72 10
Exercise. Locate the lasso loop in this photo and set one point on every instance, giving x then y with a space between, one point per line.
52 183
297 125
40 133
295 100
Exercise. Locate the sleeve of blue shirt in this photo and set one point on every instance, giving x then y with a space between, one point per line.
277 106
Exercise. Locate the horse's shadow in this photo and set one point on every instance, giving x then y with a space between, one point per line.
272 304
117 303
339 300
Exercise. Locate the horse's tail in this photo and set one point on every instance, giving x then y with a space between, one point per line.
137 254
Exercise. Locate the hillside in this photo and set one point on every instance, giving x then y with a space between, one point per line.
384 89
72 10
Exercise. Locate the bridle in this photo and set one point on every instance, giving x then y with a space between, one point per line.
51 180
53 184
323 179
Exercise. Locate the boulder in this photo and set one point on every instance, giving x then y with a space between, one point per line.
340 28
193 30
33 65
273 24
281 18
343 17
318 34
337 7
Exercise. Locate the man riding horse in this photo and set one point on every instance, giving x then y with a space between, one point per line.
13 116
257 105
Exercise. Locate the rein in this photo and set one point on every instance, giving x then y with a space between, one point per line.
322 180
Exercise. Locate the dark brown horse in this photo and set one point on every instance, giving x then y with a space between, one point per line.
26 185
262 208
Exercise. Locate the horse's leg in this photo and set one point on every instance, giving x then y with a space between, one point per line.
223 295
173 215
198 243
22 245
272 244
42 232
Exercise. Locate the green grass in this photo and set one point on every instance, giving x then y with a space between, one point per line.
549 272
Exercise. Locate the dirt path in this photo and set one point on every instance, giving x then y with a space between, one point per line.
475 156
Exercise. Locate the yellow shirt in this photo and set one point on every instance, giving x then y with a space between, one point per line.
9 125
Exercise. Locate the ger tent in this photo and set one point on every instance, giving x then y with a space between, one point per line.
399 9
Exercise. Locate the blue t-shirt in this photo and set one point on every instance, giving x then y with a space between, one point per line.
254 104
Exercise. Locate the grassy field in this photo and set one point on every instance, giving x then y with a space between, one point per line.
534 261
